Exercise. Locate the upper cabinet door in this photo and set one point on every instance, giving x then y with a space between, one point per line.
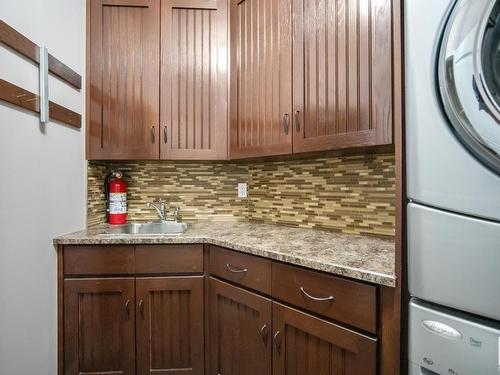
260 78
342 69
194 79
123 71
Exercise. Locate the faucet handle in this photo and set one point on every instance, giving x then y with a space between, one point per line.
176 213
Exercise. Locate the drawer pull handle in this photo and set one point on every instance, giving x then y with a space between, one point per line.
320 299
141 308
235 270
264 333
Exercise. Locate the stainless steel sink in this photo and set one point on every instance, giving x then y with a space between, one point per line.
155 228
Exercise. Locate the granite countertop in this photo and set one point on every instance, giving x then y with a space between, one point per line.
364 258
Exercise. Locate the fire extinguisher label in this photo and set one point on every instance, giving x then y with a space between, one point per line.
118 203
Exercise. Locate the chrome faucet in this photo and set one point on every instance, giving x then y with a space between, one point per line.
161 209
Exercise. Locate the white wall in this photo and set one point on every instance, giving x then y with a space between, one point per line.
42 186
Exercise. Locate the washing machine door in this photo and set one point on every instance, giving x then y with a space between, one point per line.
469 77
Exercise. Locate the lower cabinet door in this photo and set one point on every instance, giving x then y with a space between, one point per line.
240 329
306 345
99 326
170 323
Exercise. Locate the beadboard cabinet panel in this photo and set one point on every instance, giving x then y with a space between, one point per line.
123 95
170 325
342 86
240 330
194 79
261 78
99 326
305 345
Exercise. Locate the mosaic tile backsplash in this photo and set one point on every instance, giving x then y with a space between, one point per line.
352 194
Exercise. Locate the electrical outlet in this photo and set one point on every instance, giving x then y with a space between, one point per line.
242 190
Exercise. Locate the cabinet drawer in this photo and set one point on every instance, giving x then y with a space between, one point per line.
345 301
98 260
169 259
247 270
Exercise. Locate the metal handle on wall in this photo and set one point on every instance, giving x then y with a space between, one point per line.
44 84
153 138
165 134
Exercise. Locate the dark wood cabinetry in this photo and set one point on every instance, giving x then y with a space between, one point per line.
303 76
131 325
342 69
305 345
244 340
170 325
157 86
342 300
123 77
240 331
99 326
156 309
335 56
261 78
194 79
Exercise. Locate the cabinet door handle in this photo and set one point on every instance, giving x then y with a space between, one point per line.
141 308
235 270
153 138
165 134
297 121
264 333
127 308
277 341
286 121
319 299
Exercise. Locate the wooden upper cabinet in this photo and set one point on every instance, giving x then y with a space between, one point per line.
261 78
123 94
194 79
305 345
240 331
99 327
170 336
342 69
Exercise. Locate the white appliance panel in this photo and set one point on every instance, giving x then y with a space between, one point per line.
454 260
447 343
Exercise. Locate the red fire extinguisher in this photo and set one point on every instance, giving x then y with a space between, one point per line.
116 197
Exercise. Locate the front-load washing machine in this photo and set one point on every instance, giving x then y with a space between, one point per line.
452 95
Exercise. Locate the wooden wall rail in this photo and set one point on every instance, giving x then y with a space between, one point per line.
27 48
25 99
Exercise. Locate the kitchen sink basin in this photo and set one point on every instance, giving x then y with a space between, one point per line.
159 228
